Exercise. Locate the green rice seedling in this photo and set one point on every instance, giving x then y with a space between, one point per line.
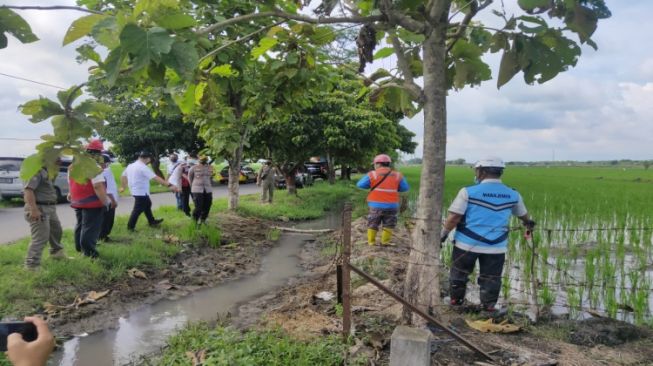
574 301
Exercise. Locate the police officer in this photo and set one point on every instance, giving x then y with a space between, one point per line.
383 199
480 214
199 177
266 178
41 213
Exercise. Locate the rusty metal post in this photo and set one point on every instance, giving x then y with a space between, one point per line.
346 279
339 283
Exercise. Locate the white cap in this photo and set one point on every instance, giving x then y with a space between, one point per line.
490 162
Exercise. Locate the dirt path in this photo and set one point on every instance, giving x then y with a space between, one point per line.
298 309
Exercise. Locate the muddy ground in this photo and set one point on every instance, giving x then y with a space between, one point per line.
244 241
298 309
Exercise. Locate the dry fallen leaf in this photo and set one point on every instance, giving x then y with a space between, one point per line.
89 298
136 273
198 357
488 326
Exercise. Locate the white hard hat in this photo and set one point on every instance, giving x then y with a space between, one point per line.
492 162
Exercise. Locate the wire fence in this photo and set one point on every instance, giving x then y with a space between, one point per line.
520 283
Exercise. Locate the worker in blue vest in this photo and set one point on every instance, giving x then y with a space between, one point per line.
480 214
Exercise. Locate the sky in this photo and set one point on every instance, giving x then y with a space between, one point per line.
599 110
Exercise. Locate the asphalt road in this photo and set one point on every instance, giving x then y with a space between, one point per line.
13 225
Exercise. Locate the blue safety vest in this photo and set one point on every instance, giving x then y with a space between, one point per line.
485 223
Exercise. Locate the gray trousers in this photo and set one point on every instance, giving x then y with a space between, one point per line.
268 191
48 229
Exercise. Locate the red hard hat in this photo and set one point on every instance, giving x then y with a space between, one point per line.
95 145
382 158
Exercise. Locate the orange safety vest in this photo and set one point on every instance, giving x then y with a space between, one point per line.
388 190
83 195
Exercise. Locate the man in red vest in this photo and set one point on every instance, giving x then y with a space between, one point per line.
383 200
89 200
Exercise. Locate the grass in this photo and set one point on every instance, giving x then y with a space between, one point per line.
309 203
226 346
24 292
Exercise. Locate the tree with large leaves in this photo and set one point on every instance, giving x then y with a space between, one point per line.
438 41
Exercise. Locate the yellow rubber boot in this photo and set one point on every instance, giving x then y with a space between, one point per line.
386 235
371 236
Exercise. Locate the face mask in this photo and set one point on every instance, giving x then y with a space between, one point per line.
476 181
192 161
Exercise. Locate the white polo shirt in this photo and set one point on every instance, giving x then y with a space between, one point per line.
138 178
112 187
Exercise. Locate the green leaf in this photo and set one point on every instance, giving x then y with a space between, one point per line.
182 58
67 97
224 71
263 46
107 32
584 22
30 166
408 36
145 46
199 92
41 109
499 42
186 101
86 52
84 167
384 52
531 5
175 20
14 24
3 41
509 67
113 64
81 27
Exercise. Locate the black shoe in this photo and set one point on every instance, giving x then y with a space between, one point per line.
156 222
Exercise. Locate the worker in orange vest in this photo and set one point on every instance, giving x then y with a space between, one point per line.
383 200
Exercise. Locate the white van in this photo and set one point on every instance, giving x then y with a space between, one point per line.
12 186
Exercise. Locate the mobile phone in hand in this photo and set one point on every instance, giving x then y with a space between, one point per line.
26 330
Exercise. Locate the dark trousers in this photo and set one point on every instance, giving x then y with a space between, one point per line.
107 223
185 199
178 197
142 204
203 203
87 230
489 279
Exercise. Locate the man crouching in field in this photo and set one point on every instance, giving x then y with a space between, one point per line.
480 215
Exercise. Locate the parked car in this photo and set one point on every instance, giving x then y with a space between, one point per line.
302 179
247 174
11 185
317 169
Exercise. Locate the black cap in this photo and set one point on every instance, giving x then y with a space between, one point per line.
107 158
144 154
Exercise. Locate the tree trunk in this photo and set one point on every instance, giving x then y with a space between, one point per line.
422 286
234 177
331 171
291 184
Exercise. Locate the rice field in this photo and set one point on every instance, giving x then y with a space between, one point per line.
593 241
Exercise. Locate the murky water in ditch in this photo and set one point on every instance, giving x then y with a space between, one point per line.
145 330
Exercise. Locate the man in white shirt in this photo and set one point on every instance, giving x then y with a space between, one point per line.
112 195
137 175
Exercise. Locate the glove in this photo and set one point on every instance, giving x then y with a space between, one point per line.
529 224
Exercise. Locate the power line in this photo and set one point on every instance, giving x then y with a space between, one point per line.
32 81
18 139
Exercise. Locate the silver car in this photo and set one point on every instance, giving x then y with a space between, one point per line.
12 186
